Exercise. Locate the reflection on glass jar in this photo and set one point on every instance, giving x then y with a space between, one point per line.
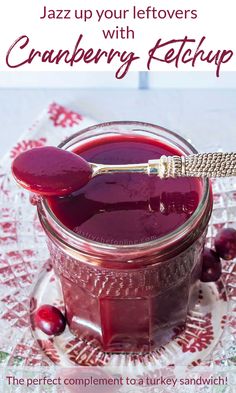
127 247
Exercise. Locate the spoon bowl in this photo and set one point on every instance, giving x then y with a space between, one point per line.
51 171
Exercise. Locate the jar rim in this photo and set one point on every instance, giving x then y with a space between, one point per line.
79 243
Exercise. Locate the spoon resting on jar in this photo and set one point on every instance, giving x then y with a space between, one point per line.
50 171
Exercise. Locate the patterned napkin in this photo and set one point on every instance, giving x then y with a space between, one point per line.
22 250
55 124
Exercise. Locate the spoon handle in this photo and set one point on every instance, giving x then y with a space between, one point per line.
195 165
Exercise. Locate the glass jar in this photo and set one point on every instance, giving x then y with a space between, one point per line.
128 298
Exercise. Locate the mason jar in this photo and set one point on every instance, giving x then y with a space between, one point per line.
128 297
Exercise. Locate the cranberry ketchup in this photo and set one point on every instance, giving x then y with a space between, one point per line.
127 208
128 271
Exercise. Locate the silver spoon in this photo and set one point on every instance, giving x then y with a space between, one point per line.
194 165
52 171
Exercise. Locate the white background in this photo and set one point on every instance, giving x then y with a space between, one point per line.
206 116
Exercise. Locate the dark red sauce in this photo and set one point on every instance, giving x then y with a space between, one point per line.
50 171
127 208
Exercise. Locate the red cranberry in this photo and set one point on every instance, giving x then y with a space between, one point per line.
50 320
211 266
225 243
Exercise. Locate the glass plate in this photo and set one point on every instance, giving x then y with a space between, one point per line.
205 325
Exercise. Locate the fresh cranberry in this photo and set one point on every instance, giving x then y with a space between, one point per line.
225 243
211 266
50 320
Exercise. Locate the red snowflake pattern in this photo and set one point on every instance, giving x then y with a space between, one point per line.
198 337
63 117
27 145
